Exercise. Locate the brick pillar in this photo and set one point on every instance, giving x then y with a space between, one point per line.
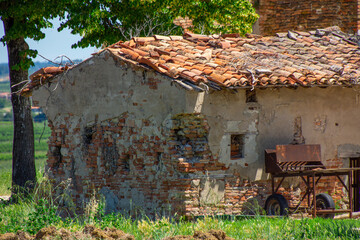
185 23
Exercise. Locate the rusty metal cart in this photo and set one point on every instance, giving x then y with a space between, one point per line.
303 161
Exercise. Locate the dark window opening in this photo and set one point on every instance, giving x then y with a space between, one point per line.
237 146
57 155
88 135
125 162
250 96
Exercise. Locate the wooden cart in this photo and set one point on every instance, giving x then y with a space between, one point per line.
304 161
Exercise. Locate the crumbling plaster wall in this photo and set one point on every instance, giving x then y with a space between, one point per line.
102 88
328 118
103 113
228 113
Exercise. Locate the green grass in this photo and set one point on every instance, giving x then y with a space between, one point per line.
41 135
40 210
5 177
6 136
6 170
28 216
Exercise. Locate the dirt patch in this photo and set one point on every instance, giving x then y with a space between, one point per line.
198 235
89 232
20 235
107 233
92 232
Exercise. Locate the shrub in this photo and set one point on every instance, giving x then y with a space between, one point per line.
45 214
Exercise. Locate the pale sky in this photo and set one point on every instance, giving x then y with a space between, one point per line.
54 44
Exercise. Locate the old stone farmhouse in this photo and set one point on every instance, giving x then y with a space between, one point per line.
179 124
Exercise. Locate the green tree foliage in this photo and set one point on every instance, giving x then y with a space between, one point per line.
28 19
108 21
23 19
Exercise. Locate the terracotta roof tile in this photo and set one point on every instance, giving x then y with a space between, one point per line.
129 53
41 77
159 37
142 40
320 58
196 71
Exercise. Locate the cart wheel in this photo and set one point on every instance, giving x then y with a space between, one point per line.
276 205
325 201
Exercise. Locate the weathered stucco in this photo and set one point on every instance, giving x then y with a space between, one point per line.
130 135
328 118
101 88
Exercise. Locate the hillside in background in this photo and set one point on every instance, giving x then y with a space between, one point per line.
5 102
4 68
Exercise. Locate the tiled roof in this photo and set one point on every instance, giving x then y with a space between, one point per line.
40 77
317 58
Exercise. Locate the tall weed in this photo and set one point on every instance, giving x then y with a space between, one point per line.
94 209
32 211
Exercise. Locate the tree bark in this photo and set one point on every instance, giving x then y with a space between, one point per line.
23 159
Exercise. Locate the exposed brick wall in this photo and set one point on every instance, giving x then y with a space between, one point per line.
120 155
155 169
160 164
189 144
279 16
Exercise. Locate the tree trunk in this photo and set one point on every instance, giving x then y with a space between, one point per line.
23 160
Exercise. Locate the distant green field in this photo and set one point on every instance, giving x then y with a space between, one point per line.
6 138
5 104
5 86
